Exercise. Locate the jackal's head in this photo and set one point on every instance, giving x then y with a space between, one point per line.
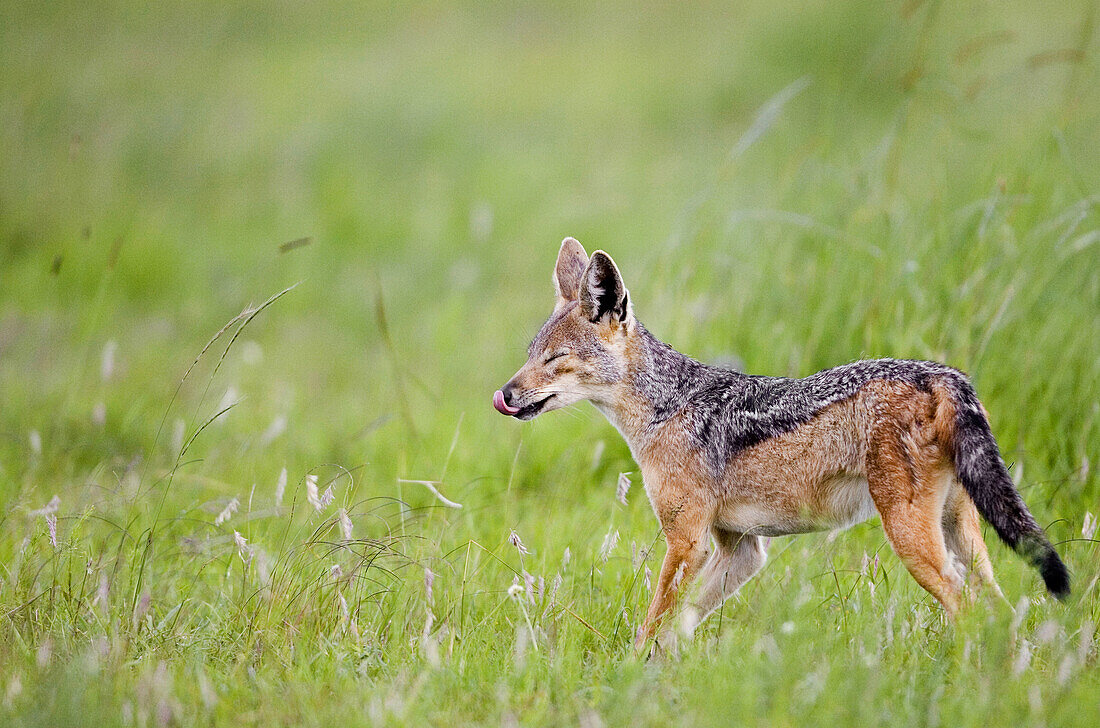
581 351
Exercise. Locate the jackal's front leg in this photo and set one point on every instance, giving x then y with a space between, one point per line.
686 553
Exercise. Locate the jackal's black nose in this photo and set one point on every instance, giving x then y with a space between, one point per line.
501 399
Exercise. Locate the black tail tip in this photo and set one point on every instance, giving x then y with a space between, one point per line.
1055 574
1038 550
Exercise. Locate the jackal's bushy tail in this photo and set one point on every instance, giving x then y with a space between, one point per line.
983 474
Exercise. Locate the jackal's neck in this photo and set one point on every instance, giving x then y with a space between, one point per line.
659 382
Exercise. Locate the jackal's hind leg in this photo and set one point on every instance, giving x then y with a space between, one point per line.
963 536
910 500
735 559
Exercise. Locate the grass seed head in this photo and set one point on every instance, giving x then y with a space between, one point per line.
227 512
610 541
515 540
529 586
622 487
429 581
554 586
280 488
243 549
678 576
345 525
311 492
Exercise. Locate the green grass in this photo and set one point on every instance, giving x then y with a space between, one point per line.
927 187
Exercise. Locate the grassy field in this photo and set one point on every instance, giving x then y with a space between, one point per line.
210 501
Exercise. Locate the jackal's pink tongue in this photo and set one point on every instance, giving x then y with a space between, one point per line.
502 406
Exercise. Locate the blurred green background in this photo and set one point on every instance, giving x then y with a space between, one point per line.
785 186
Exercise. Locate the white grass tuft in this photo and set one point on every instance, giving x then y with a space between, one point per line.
515 540
610 541
311 492
622 487
555 584
280 488
243 549
529 586
429 582
345 524
678 576
227 512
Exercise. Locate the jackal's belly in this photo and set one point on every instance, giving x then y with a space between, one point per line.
840 501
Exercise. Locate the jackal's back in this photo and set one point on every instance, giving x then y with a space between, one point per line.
731 411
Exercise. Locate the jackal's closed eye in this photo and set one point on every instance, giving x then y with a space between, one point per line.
555 355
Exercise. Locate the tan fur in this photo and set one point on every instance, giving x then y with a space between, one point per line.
884 450
888 449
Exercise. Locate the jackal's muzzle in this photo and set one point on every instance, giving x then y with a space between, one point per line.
501 406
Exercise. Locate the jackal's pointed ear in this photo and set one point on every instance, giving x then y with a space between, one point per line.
569 270
603 292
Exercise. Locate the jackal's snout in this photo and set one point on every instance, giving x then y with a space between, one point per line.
502 398
523 403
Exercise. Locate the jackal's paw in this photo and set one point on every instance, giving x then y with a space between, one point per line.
667 643
665 646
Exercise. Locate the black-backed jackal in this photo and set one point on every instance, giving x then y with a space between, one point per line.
733 458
